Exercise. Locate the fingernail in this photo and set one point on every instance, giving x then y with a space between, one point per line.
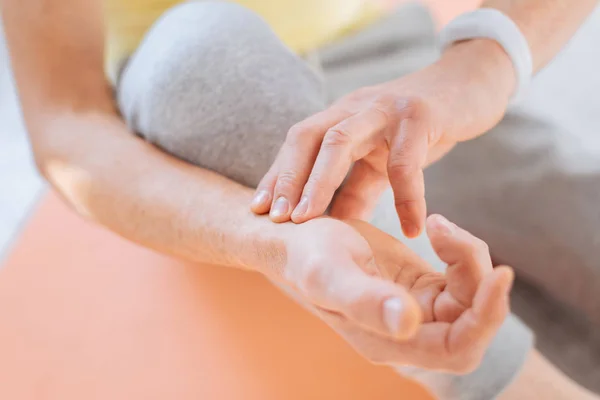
392 314
301 208
446 227
260 199
280 207
409 229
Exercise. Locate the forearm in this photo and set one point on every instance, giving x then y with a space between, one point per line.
546 24
144 195
102 169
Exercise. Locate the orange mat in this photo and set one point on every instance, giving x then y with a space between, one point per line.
87 315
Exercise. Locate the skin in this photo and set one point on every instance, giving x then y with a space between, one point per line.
541 380
80 144
387 134
460 310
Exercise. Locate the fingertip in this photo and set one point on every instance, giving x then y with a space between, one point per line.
261 202
298 219
505 277
280 210
402 316
412 218
300 213
410 229
438 225
313 210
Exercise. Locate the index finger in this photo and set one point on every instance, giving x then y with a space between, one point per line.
467 256
349 140
408 156
296 160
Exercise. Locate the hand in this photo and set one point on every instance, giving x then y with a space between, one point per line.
461 311
387 134
331 266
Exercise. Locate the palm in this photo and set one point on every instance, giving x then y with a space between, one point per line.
345 272
438 299
461 309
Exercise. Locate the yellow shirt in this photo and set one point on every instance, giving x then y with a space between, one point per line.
301 24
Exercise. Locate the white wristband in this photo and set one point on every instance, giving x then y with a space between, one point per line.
492 24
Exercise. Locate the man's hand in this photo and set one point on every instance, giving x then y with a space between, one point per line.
344 280
387 134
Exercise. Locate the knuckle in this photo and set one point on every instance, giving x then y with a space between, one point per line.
402 170
483 247
405 204
287 180
318 185
386 100
337 136
477 248
297 134
415 106
384 112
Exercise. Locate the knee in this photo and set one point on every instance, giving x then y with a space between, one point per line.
213 85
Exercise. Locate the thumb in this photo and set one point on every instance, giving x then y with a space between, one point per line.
375 304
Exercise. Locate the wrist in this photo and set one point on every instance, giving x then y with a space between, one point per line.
486 64
263 246
472 84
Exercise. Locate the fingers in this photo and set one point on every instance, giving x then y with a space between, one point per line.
263 196
298 157
280 188
475 328
460 346
279 191
358 197
372 303
408 157
441 346
468 258
347 141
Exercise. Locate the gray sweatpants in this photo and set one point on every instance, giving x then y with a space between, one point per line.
211 84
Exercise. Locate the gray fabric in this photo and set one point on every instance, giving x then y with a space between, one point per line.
212 85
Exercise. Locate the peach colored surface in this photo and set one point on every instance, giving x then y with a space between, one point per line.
87 315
